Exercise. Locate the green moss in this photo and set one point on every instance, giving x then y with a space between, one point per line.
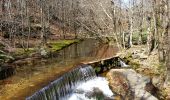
135 64
58 45
54 46
97 69
21 51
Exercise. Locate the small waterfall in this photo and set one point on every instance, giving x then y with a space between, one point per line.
61 88
123 64
94 89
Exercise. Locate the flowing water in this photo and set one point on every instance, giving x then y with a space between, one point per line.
30 78
79 84
94 89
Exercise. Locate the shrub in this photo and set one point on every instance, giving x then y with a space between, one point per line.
135 37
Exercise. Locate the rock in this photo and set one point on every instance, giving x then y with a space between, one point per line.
151 88
157 81
138 55
6 71
135 56
143 56
95 93
43 52
22 62
118 83
129 84
79 91
143 95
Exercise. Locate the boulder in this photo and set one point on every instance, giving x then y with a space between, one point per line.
97 93
118 83
139 55
129 84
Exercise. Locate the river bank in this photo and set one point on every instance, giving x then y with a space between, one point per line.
148 65
10 88
29 79
32 56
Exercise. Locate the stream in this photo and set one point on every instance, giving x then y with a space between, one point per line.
78 84
29 79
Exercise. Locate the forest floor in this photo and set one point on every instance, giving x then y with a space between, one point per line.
148 65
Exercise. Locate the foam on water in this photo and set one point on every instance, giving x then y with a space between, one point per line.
88 87
123 64
78 84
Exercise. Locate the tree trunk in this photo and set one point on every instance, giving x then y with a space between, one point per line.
167 39
155 20
149 36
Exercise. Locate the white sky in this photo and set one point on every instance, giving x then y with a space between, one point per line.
126 1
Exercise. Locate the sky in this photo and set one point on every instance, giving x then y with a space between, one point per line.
126 1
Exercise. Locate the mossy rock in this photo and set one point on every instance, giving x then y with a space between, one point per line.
21 51
133 63
97 69
58 45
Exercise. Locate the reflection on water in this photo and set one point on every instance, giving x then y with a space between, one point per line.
25 76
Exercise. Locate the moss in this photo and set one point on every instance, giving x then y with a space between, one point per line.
55 46
97 69
161 69
51 47
135 64
58 45
21 51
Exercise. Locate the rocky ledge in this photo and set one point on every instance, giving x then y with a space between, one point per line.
130 85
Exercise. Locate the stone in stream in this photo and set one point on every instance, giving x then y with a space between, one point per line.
95 93
129 84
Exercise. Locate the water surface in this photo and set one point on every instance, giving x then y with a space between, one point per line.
29 79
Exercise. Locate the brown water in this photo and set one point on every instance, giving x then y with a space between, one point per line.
29 79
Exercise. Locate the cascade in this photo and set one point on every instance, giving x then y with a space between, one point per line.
63 86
